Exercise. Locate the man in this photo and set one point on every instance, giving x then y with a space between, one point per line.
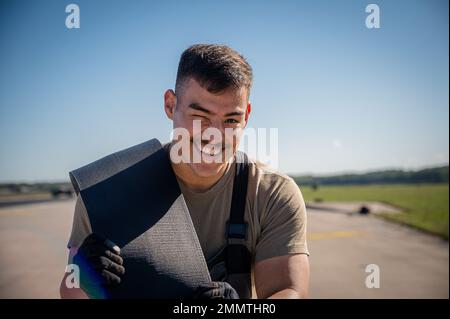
213 86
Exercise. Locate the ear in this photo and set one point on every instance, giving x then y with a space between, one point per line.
248 111
170 101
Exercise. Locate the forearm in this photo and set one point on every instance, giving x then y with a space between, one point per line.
71 293
288 293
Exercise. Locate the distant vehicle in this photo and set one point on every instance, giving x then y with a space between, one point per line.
62 191
364 210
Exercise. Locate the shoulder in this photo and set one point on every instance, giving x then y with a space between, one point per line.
269 189
268 179
279 212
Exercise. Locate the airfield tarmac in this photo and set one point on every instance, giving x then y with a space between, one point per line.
412 264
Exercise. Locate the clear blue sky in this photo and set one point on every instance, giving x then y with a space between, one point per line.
344 97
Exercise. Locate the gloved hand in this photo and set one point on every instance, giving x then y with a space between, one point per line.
100 266
216 290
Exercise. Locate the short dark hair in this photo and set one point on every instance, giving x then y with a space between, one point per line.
215 67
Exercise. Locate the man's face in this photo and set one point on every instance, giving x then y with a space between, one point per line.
201 112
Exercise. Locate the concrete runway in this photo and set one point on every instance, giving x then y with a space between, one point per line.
412 264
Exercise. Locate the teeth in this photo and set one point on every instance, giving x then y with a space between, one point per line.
209 150
211 153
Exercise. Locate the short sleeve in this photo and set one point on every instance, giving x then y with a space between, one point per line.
283 227
81 227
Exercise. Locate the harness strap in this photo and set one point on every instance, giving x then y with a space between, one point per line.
237 256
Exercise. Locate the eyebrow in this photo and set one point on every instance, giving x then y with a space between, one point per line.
235 113
197 107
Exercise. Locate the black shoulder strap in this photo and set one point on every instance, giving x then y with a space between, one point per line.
236 226
238 257
235 255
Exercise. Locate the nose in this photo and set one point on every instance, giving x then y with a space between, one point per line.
214 132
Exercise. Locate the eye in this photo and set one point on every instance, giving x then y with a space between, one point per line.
232 121
202 118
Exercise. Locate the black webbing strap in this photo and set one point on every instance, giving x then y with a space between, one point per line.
236 226
238 257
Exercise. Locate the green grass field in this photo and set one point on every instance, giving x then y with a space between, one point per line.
426 206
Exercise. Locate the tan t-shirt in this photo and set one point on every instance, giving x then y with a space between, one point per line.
275 212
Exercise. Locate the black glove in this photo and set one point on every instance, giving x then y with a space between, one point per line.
100 266
216 290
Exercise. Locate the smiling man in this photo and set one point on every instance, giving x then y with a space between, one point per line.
212 93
